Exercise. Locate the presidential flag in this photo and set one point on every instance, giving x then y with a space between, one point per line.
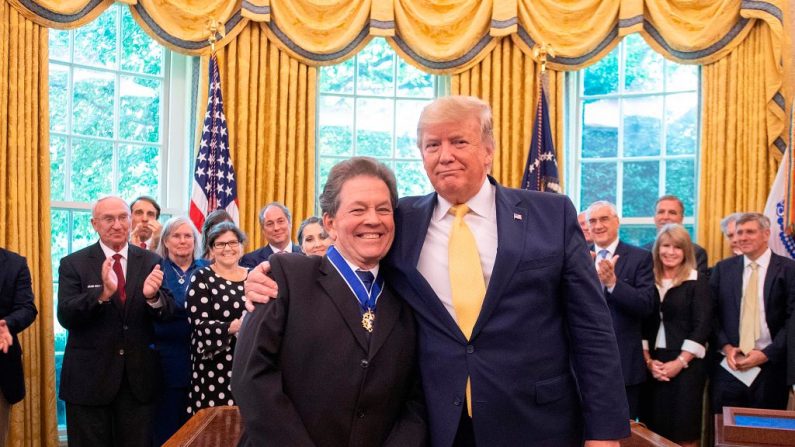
779 203
541 171
214 185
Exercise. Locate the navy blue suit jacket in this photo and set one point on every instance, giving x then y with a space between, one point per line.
542 356
251 260
631 301
17 308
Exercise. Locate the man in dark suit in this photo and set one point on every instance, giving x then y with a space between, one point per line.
17 312
670 209
754 294
515 343
108 296
312 368
275 221
627 277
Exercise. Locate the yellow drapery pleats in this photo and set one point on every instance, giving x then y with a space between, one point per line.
269 102
737 168
507 79
25 211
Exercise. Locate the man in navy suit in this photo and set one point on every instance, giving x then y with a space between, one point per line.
532 361
275 221
763 342
17 312
627 277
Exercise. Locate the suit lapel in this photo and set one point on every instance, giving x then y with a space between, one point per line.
344 300
736 280
386 315
96 259
770 276
511 229
133 278
622 252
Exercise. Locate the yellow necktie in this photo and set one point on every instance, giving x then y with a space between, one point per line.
466 279
749 312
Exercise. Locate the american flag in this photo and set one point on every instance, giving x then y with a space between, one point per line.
214 185
541 171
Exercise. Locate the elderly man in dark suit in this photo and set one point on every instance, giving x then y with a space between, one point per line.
17 312
670 209
109 294
275 221
627 277
754 295
332 361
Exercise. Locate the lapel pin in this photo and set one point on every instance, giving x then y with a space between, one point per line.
517 216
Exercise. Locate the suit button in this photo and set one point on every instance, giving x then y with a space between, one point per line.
360 414
470 349
457 402
364 363
121 351
125 327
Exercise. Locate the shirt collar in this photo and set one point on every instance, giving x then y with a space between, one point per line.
610 248
481 203
693 275
763 261
287 249
355 267
109 252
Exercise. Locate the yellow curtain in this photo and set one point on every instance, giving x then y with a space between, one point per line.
269 102
25 211
507 79
737 169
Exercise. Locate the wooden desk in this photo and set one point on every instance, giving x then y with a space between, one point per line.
211 427
721 442
643 437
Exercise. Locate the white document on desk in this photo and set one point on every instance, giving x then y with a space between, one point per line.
747 377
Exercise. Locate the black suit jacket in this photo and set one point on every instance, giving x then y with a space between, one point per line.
631 302
702 261
306 373
107 339
686 313
726 282
251 260
18 310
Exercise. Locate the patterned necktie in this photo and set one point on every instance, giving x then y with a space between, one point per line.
466 279
120 282
603 254
367 279
750 326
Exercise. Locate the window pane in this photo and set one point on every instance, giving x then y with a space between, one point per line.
59 45
93 103
376 69
92 169
374 118
600 128
140 109
641 184
602 77
139 52
681 77
335 126
59 238
337 78
95 42
139 171
57 167
680 180
411 178
413 82
598 182
407 114
681 123
83 233
324 167
642 126
59 96
643 66
637 235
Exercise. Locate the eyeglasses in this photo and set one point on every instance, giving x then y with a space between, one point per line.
222 245
110 220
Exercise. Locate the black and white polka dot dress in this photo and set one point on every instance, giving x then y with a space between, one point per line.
212 302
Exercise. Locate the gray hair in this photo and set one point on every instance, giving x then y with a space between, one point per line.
277 205
724 223
102 199
169 227
599 204
761 219
348 169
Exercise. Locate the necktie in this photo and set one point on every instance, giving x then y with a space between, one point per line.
466 279
603 254
749 312
367 279
120 278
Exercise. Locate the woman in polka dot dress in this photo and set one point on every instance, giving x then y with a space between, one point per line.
216 306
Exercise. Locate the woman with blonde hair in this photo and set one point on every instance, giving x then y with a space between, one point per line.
675 340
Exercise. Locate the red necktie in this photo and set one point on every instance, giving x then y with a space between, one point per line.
120 278
143 245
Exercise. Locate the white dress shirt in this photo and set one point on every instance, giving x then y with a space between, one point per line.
764 262
287 249
482 221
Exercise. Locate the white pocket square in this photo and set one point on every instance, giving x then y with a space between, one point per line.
93 286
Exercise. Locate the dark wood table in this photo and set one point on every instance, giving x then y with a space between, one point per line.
210 427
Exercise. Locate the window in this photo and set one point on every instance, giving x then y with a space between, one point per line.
369 105
636 135
109 93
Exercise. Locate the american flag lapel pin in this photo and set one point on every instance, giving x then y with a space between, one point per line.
517 216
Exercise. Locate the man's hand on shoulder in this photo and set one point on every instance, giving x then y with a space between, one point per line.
259 288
